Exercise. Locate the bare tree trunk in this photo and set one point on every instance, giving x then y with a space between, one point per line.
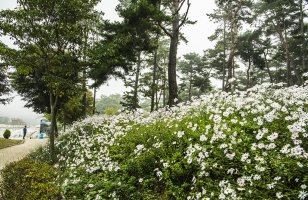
224 62
173 88
94 101
248 74
154 85
303 67
135 106
164 86
267 67
53 107
230 63
190 83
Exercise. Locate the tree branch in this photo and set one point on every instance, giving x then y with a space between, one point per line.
185 15
178 10
165 30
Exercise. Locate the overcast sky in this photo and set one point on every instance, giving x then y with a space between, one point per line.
197 36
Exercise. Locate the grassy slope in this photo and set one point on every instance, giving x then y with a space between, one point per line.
7 143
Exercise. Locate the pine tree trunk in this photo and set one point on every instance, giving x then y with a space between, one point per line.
267 67
164 86
84 96
224 62
248 74
135 103
173 88
94 101
303 67
230 63
154 90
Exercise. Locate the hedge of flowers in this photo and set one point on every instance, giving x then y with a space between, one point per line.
245 145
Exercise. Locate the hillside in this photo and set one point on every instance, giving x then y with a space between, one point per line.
223 146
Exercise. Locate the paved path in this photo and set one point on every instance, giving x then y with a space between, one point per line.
18 152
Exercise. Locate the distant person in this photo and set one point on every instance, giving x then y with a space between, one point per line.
25 132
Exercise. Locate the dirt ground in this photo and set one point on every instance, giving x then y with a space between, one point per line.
18 152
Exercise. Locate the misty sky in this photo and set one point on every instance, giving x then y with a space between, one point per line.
197 35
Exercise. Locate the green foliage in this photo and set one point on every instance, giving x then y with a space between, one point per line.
72 110
8 143
195 76
28 180
7 134
109 104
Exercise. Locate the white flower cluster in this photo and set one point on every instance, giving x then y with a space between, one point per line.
243 132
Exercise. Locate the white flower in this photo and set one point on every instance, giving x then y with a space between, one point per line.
261 146
256 177
279 195
272 137
140 180
271 186
241 182
180 134
230 155
303 186
203 138
259 135
300 164
165 165
244 157
230 171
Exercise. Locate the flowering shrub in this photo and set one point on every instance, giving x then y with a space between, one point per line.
223 146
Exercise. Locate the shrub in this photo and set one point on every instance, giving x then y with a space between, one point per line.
223 146
7 134
28 180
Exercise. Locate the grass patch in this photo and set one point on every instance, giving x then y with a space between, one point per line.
8 143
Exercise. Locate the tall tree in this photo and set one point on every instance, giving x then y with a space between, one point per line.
172 30
237 12
49 39
194 74
4 82
283 20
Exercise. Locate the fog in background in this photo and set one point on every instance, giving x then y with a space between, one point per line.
196 34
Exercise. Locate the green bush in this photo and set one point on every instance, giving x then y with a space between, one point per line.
7 134
28 180
246 145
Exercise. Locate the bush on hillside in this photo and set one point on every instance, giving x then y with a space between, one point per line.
7 134
28 180
223 146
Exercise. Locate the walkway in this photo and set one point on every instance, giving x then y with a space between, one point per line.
18 152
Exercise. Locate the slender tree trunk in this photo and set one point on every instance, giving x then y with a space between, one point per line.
64 119
224 61
84 86
94 101
173 88
154 87
135 106
164 86
267 67
284 41
190 83
248 74
303 67
53 107
56 124
230 63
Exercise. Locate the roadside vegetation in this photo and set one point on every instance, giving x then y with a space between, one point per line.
8 142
